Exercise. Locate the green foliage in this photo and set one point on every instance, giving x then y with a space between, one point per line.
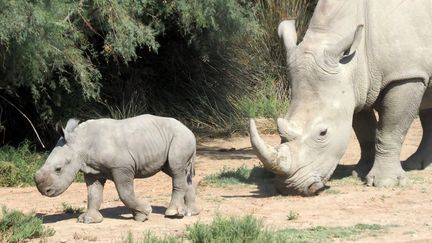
18 165
229 176
16 226
252 230
204 62
151 238
292 215
268 101
242 175
245 229
67 208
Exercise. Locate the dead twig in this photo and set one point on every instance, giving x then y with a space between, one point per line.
22 113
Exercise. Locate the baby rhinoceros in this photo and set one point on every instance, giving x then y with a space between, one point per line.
121 150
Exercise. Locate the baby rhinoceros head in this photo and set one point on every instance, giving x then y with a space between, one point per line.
60 168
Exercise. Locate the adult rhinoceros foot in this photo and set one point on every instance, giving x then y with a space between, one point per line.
386 178
90 217
192 210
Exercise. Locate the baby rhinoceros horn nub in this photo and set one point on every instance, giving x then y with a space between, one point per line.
275 159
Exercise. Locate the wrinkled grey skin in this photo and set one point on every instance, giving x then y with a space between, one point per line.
121 150
357 56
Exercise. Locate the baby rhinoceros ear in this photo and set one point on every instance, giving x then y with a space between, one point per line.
70 126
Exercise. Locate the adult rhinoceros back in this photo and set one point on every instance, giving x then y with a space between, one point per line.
357 56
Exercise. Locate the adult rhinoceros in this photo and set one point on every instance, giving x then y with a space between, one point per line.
121 150
356 56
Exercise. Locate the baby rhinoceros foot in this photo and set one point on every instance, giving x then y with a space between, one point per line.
90 217
142 215
176 212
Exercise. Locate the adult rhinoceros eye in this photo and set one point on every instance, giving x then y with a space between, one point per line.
323 132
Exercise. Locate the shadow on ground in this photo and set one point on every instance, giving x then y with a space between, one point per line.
219 153
342 171
260 177
119 212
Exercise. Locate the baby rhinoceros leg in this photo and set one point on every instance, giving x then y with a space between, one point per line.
123 181
177 206
180 167
95 186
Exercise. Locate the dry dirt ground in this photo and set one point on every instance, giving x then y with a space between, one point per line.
346 203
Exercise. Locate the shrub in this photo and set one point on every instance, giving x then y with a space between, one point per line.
16 226
18 165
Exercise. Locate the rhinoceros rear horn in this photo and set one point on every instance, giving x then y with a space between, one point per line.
267 154
287 131
348 45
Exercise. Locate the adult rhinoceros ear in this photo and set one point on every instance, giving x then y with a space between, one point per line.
287 32
70 126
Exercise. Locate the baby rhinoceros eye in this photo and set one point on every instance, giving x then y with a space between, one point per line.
58 170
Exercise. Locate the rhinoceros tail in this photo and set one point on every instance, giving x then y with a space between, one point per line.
190 168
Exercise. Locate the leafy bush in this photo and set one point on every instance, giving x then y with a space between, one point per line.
204 62
16 226
18 165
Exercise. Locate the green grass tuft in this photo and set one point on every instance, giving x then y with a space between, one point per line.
242 175
292 215
252 230
245 229
67 208
329 234
151 238
16 226
229 176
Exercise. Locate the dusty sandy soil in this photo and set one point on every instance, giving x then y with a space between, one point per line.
346 203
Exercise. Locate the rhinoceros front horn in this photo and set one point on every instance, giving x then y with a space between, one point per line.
275 159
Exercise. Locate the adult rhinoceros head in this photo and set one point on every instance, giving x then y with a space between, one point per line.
61 166
316 130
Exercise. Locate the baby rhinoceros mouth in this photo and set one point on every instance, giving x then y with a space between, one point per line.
44 183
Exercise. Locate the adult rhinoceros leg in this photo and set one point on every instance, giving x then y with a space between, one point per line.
95 185
123 180
365 124
397 110
423 156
